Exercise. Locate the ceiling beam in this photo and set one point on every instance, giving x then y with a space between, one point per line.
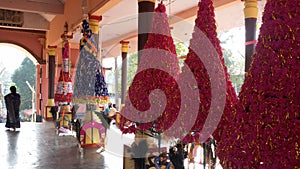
97 7
74 15
33 6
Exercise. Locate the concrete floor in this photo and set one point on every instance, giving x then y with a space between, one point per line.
36 145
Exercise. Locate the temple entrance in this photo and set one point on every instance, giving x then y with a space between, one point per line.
18 68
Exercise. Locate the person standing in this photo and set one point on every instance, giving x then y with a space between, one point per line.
12 102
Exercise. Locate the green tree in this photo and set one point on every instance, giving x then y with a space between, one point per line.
26 72
181 50
132 63
234 59
4 79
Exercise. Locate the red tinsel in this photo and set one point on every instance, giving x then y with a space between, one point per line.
265 132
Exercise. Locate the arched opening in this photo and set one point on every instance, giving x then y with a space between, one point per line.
18 68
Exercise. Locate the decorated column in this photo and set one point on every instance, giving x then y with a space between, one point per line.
90 88
214 88
265 131
145 9
88 68
158 69
100 87
124 70
250 12
64 91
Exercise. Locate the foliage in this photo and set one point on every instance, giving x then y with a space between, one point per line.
234 59
26 72
4 74
4 79
132 67
181 50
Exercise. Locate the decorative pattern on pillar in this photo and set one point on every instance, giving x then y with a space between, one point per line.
250 12
145 9
124 70
51 74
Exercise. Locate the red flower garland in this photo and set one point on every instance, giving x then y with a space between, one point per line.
205 27
64 91
158 69
265 132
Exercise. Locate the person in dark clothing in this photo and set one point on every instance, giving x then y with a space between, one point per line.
54 111
12 102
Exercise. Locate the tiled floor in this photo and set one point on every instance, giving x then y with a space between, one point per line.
36 145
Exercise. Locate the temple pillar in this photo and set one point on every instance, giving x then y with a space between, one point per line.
116 82
250 13
51 74
43 88
145 10
124 70
38 95
51 77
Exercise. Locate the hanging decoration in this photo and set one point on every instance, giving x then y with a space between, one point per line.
205 31
265 132
64 91
90 85
101 91
158 69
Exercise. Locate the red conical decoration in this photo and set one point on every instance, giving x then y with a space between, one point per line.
158 69
205 60
265 132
